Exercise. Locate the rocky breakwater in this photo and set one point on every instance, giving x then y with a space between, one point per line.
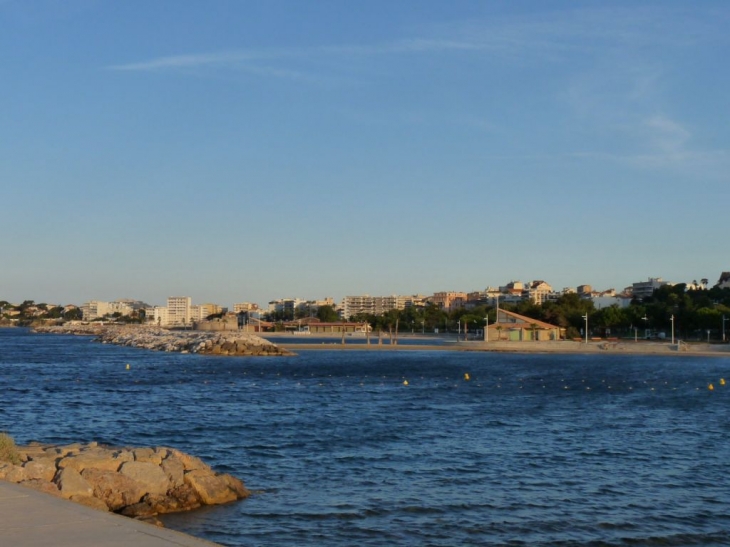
159 339
136 482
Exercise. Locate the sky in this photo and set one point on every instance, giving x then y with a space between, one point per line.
246 151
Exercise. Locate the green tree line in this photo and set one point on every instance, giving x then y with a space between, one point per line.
695 312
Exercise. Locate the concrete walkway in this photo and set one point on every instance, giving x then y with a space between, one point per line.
34 519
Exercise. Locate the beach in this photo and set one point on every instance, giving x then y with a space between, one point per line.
425 343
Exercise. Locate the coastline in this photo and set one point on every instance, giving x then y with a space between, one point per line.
567 347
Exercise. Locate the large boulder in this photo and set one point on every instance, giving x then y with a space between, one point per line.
154 479
114 489
42 469
212 489
71 483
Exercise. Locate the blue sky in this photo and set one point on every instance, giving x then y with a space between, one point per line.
247 151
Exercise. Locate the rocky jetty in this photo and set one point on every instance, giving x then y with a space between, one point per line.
136 482
184 341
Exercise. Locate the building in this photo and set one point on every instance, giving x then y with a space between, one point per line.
644 289
203 311
316 327
285 306
178 310
449 300
584 291
245 306
514 327
96 309
158 316
537 291
724 281
372 305
608 298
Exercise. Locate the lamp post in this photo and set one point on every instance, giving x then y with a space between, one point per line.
672 318
646 324
486 328
723 327
586 318
636 334
458 329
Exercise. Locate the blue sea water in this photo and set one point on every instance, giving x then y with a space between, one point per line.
531 450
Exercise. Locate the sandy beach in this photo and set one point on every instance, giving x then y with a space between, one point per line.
627 347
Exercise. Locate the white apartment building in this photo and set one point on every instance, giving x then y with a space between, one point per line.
178 310
537 291
94 309
372 305
287 306
644 289
158 316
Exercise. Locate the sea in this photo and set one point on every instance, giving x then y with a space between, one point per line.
412 448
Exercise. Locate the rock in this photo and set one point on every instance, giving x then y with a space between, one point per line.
211 489
114 489
150 455
141 510
90 501
175 470
236 486
98 459
42 468
138 482
185 496
5 468
190 463
152 476
16 474
71 483
158 339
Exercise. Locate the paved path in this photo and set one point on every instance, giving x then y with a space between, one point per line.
34 519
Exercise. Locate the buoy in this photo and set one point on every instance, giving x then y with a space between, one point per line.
405 382
722 381
710 387
127 366
466 376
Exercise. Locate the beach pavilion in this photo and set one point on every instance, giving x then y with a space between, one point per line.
511 326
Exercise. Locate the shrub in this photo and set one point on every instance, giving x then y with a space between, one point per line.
8 451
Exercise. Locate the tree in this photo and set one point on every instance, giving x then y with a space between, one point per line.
74 314
327 314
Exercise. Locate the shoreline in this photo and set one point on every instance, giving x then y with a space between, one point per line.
566 347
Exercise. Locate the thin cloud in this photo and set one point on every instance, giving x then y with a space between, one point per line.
546 35
186 61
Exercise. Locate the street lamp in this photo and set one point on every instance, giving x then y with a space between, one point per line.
486 328
586 318
646 324
672 318
723 327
